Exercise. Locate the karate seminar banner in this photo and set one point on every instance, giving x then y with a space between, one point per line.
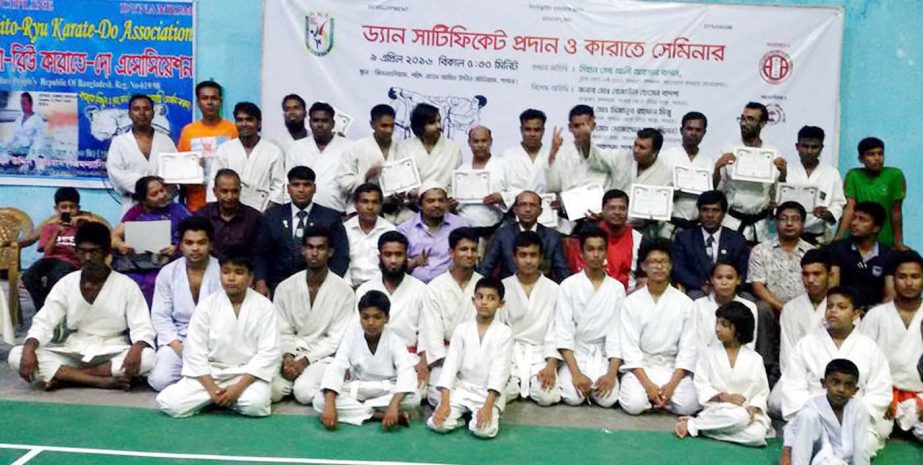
637 64
75 63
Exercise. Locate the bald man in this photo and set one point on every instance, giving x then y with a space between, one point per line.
485 214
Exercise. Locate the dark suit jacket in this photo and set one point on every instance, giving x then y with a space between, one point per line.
279 254
691 266
501 251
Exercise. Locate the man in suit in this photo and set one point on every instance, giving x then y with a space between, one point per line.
280 240
695 250
527 208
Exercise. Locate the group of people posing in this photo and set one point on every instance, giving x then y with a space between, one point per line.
381 301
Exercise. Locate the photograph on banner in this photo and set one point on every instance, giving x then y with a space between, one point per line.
637 64
65 88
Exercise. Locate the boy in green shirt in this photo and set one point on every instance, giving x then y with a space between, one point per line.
876 183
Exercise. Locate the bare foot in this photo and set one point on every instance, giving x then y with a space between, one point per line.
52 385
115 382
403 419
682 427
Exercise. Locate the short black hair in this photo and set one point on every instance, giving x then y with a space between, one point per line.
420 116
142 186
209 83
528 239
294 97
322 106
791 205
531 114
491 283
317 231
741 317
870 143
381 110
656 245
764 112
458 234
375 299
694 115
811 132
724 262
580 110
28 96
393 236
711 198
66 194
821 256
590 231
249 108
196 223
842 365
227 172
137 96
845 292
94 233
613 194
907 256
301 173
368 187
237 255
873 209
655 135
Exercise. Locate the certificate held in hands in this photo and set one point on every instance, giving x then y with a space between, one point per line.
692 179
804 195
650 202
470 186
399 176
549 217
754 164
580 200
181 168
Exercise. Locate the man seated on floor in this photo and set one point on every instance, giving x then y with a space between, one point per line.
232 350
111 338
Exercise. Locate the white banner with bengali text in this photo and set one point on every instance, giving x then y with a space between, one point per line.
482 62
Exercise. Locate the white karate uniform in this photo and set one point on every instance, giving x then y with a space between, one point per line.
606 168
480 215
799 317
262 172
660 338
436 166
227 346
99 332
361 156
725 421
6 323
658 174
684 204
28 133
531 318
524 173
903 347
829 194
325 164
446 306
126 164
374 378
363 249
585 322
705 320
817 437
801 379
474 366
407 303
171 311
311 329
747 197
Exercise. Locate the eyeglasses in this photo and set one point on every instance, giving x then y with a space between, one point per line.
747 119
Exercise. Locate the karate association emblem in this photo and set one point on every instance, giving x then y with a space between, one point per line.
318 37
776 66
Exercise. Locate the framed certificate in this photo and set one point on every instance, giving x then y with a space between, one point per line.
754 164
181 168
549 217
399 176
692 179
580 200
650 202
470 186
804 195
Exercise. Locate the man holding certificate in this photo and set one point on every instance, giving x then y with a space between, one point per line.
746 174
650 170
820 225
481 189
692 170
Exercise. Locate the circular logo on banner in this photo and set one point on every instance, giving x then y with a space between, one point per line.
775 66
776 114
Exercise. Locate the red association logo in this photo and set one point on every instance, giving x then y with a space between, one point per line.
776 66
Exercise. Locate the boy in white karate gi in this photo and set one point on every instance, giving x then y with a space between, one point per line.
381 378
315 307
895 327
586 327
110 332
658 341
476 369
232 350
180 286
831 428
731 383
724 283
805 313
529 312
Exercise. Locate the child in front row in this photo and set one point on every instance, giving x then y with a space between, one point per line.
381 377
476 369
731 383
831 428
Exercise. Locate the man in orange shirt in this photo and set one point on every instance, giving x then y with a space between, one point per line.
205 135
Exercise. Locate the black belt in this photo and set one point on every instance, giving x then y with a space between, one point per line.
811 238
749 220
683 223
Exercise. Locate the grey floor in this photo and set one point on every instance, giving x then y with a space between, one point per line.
12 388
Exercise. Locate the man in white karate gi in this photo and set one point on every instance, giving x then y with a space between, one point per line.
805 313
322 152
527 161
821 223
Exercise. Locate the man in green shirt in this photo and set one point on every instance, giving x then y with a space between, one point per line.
877 183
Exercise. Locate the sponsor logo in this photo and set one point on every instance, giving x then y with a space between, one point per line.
776 66
318 33
776 114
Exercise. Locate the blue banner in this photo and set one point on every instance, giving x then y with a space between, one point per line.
67 70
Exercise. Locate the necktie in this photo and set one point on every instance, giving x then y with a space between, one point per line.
299 228
710 247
